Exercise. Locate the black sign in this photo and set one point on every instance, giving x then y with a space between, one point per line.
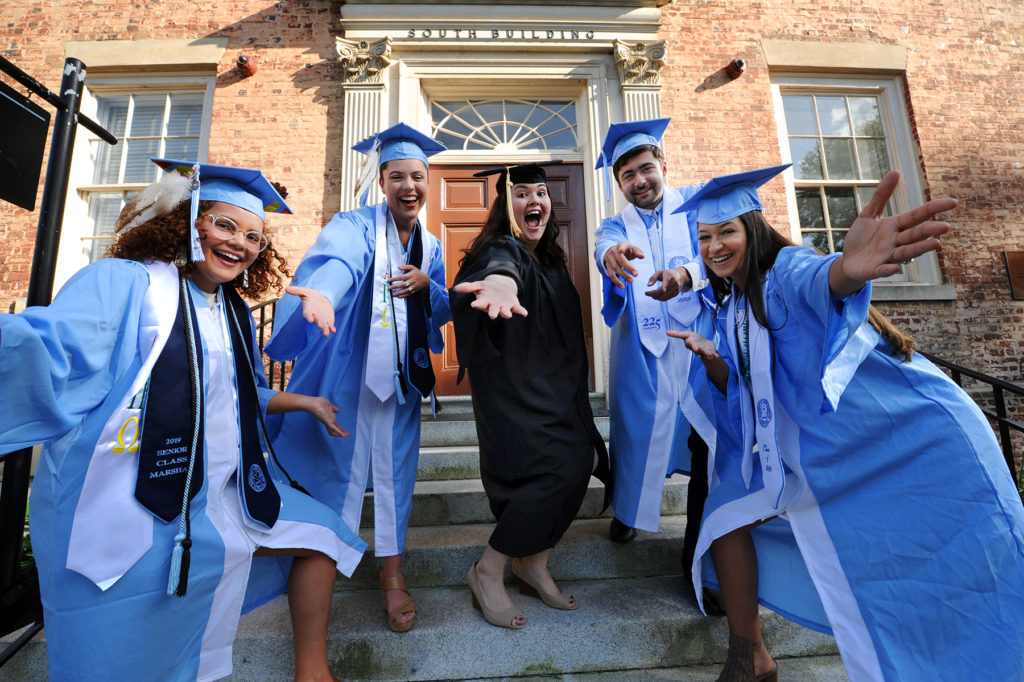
22 140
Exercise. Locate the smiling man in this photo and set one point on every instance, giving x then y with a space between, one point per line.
376 274
659 399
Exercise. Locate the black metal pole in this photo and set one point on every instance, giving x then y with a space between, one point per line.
17 465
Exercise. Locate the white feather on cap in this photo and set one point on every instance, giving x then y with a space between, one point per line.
158 199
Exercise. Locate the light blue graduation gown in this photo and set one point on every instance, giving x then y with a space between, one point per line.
65 368
639 382
902 532
338 471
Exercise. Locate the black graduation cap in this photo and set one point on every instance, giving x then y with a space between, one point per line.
518 173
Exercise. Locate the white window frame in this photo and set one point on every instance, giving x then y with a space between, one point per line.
921 279
78 228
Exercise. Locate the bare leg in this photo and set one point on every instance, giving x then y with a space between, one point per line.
393 567
736 565
310 585
490 571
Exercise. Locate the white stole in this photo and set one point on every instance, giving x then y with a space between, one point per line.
760 393
383 355
111 531
677 251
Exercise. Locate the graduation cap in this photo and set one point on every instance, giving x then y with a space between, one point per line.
397 142
246 188
624 137
730 196
508 176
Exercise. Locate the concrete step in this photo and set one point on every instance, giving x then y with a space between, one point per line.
437 556
441 503
448 463
460 430
624 629
805 669
621 625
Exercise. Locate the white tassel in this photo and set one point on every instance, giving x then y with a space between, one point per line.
158 199
366 173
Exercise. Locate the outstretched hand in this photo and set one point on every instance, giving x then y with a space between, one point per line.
674 281
494 296
315 308
876 247
616 263
698 344
326 413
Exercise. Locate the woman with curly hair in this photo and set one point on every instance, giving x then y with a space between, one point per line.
519 333
153 495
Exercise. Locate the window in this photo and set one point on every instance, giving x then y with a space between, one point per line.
165 124
505 124
843 135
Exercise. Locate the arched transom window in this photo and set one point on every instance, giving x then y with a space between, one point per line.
505 125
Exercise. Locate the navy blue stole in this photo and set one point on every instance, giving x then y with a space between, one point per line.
262 501
417 308
170 420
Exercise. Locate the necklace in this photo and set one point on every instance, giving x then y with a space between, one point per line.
744 340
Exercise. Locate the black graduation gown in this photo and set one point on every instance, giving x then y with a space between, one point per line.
528 379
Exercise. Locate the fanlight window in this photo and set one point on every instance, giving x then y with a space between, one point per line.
505 124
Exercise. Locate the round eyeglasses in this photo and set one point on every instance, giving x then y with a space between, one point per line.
226 228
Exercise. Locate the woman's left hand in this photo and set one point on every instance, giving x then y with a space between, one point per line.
325 412
876 247
411 282
698 344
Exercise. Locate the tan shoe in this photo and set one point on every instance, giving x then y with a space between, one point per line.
397 583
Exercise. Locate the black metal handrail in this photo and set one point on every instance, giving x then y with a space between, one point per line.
277 372
999 416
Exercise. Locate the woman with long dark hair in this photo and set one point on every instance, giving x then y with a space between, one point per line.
153 495
519 334
865 495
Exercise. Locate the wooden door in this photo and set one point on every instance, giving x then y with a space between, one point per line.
456 209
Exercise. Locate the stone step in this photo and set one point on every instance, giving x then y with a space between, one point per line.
621 625
460 430
441 503
805 669
448 463
438 556
631 628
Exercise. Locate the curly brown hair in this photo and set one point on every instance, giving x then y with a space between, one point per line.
164 237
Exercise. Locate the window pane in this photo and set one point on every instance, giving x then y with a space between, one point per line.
509 124
806 158
185 150
808 203
838 239
866 119
839 159
818 240
842 207
138 167
148 116
799 115
874 159
112 113
832 116
108 162
103 210
186 117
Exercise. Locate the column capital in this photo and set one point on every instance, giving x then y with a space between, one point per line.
363 61
639 63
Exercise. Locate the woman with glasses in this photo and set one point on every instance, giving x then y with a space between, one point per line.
153 495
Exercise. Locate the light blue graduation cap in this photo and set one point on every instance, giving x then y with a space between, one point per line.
730 196
246 188
397 142
624 137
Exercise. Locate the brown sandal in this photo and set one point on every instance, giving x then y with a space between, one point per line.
397 583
